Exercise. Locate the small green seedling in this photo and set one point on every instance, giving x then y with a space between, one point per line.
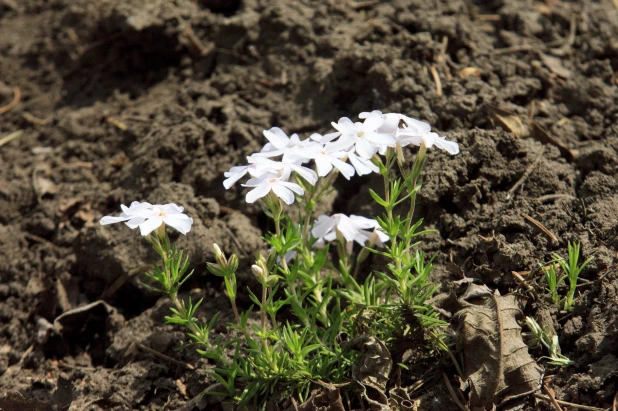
553 282
539 336
571 271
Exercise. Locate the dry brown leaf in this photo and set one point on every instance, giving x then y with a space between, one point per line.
497 365
320 399
555 65
372 368
509 121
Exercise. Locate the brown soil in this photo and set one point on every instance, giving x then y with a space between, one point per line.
155 99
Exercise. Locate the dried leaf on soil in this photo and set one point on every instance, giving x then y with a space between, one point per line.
555 65
373 367
327 399
509 121
497 365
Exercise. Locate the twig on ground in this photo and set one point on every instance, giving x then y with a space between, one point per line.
441 59
14 102
163 356
570 404
552 397
522 47
522 281
450 389
10 137
550 197
117 123
35 120
436 79
358 5
527 173
543 136
532 110
487 17
540 226
566 47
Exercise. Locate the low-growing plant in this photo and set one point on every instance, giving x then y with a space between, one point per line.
317 288
570 270
539 336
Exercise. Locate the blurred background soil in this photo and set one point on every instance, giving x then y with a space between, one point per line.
153 100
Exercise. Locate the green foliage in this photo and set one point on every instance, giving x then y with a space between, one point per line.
570 269
311 296
539 336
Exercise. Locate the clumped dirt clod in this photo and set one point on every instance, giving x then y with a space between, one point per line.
154 100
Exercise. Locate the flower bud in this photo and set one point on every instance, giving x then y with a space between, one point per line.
232 264
217 251
258 273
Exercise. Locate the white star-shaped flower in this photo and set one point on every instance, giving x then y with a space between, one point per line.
149 217
279 144
352 228
364 137
277 183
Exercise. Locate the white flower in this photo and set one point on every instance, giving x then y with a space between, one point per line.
277 183
418 132
149 217
326 159
363 136
353 228
291 148
414 131
390 121
284 167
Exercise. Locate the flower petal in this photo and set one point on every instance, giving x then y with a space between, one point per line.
258 192
365 149
277 137
373 122
229 182
344 168
324 165
292 186
150 225
306 173
322 226
450 147
363 167
283 193
180 222
345 126
108 219
135 222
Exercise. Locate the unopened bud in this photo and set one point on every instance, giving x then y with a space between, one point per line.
219 256
232 264
217 250
257 272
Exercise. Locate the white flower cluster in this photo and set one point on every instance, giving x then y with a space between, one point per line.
355 143
149 217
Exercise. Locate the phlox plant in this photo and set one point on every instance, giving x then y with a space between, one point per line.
317 289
